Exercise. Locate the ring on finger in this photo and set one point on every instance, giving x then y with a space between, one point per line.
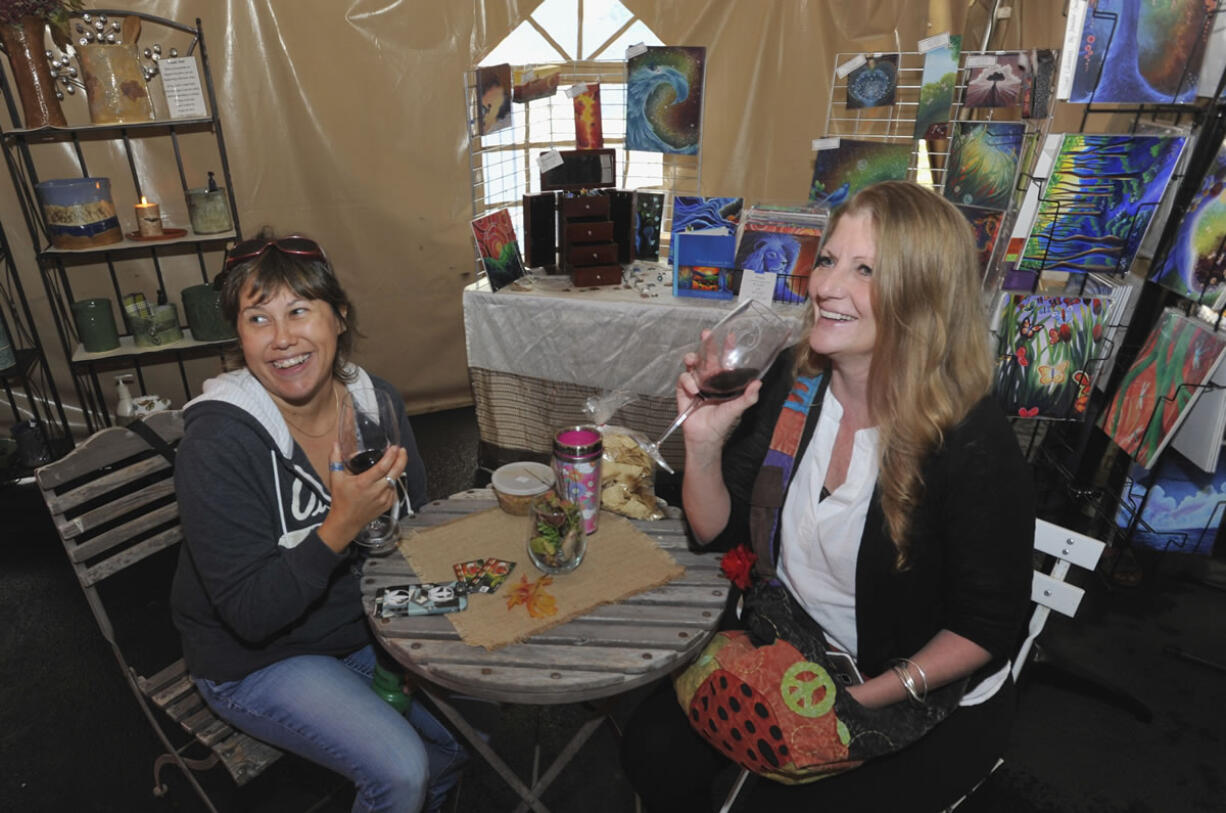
390 482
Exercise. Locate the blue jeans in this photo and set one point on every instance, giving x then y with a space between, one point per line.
323 709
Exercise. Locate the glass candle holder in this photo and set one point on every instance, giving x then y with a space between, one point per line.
556 539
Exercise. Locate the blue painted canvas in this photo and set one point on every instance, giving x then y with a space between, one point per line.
1182 506
694 213
664 99
1195 263
1141 51
1100 195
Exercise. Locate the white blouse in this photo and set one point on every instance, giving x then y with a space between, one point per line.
820 539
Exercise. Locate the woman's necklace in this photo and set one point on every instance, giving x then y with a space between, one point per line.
336 409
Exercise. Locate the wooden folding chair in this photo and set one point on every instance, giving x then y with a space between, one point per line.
1049 591
113 503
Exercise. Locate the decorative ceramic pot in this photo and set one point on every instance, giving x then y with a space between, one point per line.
24 45
114 84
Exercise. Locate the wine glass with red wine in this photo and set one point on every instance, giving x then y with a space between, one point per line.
369 425
739 348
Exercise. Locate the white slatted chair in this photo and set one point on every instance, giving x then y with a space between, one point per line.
1048 590
113 503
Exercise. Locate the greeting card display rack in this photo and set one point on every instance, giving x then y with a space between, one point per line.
145 152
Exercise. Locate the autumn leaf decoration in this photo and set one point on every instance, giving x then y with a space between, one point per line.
533 595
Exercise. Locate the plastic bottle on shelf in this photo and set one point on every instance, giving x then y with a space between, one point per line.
124 410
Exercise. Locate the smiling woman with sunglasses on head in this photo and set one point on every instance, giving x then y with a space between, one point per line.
266 595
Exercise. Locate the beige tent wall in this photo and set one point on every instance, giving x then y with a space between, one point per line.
346 120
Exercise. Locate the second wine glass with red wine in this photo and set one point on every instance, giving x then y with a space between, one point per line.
369 425
738 349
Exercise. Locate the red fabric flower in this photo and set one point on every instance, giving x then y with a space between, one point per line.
736 565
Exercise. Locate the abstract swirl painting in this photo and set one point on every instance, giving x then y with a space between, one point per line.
1195 262
498 248
664 99
982 165
874 83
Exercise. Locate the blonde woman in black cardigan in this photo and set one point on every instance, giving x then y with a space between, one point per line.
907 521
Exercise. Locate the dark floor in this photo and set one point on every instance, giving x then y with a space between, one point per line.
72 737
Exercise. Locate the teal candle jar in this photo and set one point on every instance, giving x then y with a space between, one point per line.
95 321
202 307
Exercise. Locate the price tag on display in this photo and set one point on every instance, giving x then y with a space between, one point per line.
934 42
1004 12
850 65
980 60
181 83
576 90
635 50
759 285
549 159
820 144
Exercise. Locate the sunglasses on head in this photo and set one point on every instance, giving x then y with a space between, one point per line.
294 244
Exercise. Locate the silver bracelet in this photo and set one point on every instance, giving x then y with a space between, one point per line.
902 671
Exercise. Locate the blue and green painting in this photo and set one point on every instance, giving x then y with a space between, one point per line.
1181 507
664 99
937 89
694 213
1195 262
840 172
1141 50
1101 194
982 165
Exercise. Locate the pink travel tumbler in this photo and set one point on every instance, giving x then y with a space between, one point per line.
576 463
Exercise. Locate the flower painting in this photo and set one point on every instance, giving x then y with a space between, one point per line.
498 248
1158 391
1046 347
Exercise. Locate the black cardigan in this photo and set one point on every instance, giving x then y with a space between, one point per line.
972 535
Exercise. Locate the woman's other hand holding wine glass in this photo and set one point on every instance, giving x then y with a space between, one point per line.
358 499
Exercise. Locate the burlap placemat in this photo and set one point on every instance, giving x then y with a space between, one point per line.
620 562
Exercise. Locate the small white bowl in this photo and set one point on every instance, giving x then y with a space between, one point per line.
515 484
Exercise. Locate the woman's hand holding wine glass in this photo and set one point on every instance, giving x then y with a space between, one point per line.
359 499
713 424
365 494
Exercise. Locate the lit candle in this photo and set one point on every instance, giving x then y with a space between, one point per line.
148 218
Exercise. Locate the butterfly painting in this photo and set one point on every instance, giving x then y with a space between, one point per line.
1046 347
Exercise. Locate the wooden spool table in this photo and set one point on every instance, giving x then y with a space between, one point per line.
608 651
